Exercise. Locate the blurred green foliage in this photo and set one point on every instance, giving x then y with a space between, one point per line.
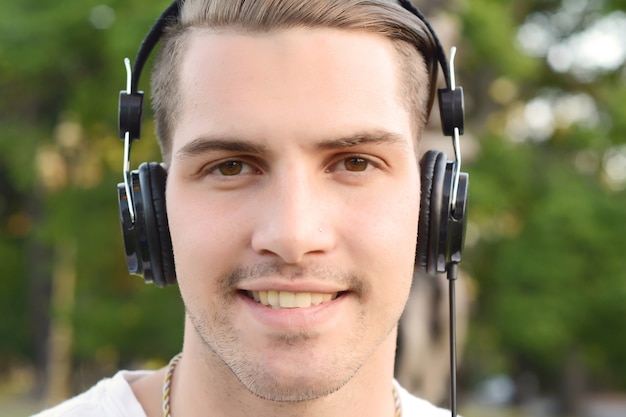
545 246
60 160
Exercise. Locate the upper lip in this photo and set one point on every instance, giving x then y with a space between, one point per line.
297 285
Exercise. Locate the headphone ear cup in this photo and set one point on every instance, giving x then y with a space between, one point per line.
433 170
159 268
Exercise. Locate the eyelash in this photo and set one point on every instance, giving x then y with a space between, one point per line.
244 165
214 169
345 159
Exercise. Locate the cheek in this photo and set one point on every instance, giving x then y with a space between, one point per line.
388 236
394 219
204 235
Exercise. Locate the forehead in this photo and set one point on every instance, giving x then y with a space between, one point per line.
306 79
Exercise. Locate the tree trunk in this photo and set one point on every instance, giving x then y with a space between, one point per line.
572 386
59 375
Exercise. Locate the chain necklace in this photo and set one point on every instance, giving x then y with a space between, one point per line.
167 384
167 387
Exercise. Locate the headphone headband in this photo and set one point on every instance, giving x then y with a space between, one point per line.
173 12
152 38
131 101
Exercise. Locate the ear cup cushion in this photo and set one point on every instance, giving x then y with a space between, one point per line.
433 167
152 177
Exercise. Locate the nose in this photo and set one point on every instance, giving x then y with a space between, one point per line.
293 218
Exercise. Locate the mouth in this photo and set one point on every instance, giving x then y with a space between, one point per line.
288 299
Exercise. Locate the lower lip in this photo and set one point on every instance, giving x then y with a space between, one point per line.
293 318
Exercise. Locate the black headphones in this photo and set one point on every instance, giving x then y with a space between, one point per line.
141 196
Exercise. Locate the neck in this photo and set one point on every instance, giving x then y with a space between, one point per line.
202 382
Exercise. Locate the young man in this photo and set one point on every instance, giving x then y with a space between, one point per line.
290 133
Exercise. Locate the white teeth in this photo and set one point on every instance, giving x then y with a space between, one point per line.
302 299
317 298
262 295
287 299
273 299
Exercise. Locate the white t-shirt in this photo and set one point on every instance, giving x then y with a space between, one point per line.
113 397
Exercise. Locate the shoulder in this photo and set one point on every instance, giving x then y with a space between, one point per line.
111 397
414 406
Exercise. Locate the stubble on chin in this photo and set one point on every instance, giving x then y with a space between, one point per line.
226 363
223 347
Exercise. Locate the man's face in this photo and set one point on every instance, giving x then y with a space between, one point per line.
293 200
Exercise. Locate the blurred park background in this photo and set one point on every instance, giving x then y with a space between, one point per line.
545 263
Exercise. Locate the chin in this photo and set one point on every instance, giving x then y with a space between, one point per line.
292 389
287 376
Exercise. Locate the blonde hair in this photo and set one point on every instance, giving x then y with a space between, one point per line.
412 41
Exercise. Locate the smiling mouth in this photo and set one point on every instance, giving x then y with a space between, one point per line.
288 299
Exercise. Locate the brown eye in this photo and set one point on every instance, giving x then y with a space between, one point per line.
356 164
230 168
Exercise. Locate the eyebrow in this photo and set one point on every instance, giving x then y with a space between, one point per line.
205 144
369 137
